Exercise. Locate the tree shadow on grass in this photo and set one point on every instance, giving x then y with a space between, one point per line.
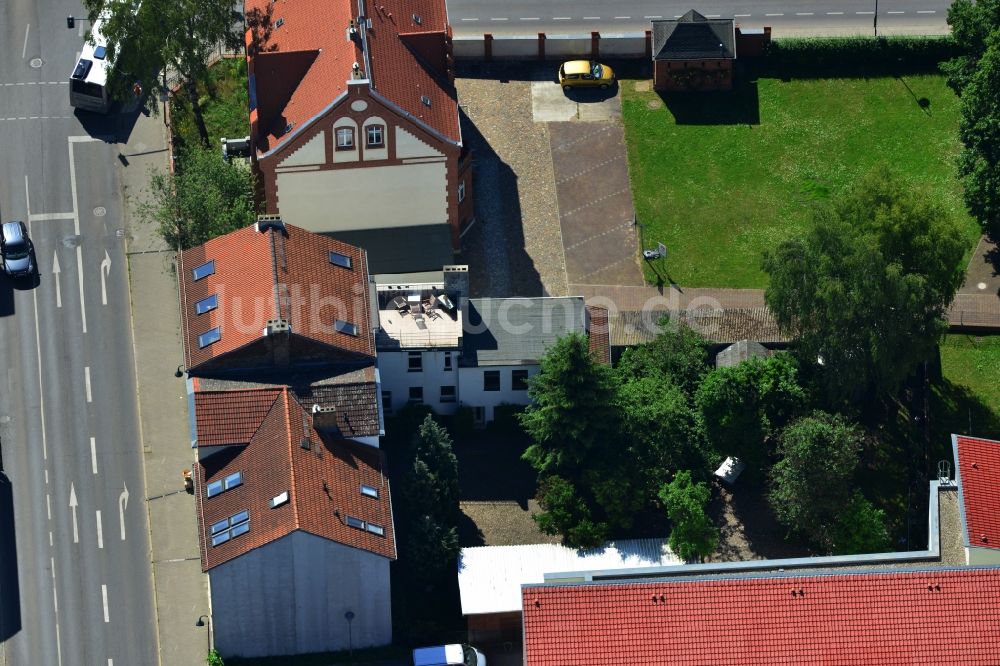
740 106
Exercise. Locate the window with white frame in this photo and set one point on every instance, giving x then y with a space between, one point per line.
230 528
345 138
375 136
221 485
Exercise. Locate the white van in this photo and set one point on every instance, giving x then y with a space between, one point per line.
448 655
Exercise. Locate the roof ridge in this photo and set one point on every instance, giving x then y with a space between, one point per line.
291 461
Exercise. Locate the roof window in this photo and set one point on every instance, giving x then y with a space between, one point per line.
230 528
279 499
426 100
369 491
356 523
206 304
342 260
231 481
377 530
203 271
345 327
210 336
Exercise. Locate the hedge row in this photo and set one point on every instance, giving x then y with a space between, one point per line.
840 56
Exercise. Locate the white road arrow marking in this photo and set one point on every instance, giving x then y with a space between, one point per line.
122 504
55 273
105 271
73 505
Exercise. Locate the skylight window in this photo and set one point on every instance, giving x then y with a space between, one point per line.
377 530
345 327
342 260
231 481
279 499
369 491
231 527
211 336
206 304
356 523
203 271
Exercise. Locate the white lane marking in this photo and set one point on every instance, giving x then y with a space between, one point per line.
773 14
86 381
55 278
46 476
79 275
100 531
122 505
104 596
863 13
24 49
55 606
622 18
835 13
48 505
111 662
37 217
926 11
470 19
50 539
79 33
652 17
93 455
498 19
803 13
105 272
72 505
528 18
896 12
741 15
591 18
38 340
561 18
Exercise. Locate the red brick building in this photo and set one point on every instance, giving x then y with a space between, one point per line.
693 53
355 125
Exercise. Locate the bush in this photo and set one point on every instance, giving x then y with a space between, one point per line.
855 56
465 422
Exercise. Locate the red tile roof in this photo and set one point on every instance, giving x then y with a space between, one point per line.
231 417
891 618
303 65
323 483
598 333
267 275
978 463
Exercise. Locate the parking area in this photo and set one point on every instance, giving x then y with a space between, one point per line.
553 201
595 203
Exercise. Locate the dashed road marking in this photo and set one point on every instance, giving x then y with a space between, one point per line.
529 18
619 227
595 201
589 169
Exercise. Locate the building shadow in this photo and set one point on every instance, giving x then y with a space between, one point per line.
740 106
490 468
508 70
494 247
6 298
10 593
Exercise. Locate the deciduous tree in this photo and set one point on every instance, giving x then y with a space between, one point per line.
149 36
971 25
860 528
677 352
979 163
692 537
743 407
206 197
866 289
812 482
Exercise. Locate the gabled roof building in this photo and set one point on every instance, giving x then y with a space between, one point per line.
354 125
977 463
693 53
294 508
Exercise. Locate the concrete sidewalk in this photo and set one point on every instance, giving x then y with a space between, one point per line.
180 587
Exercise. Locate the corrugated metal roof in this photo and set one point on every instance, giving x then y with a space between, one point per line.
490 577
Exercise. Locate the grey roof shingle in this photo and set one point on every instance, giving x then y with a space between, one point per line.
722 326
740 351
694 37
516 331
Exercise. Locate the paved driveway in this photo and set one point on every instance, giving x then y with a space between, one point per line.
595 203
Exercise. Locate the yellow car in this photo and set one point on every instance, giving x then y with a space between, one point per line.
585 74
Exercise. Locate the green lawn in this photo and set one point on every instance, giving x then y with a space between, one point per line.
970 391
225 105
720 177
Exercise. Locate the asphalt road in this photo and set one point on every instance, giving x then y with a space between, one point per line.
786 17
72 491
